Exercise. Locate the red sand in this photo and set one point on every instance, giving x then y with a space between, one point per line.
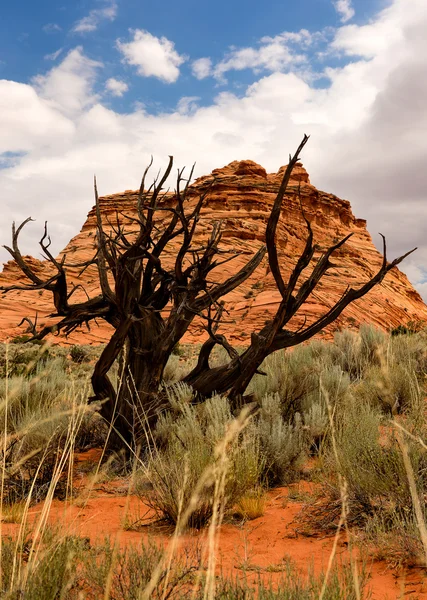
260 543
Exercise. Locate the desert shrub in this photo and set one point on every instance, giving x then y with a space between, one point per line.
347 354
333 386
370 461
411 351
401 330
316 423
79 354
292 376
175 370
292 585
186 450
178 350
53 575
372 340
69 567
26 359
409 328
25 339
129 571
283 444
393 388
35 416
394 540
355 352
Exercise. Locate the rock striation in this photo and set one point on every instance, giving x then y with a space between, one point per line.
241 197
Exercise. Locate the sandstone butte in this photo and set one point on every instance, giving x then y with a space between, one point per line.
241 198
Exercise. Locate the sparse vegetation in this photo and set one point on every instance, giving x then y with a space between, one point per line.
69 567
186 449
79 354
40 398
252 504
337 401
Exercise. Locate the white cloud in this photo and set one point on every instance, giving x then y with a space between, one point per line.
95 17
28 122
345 9
53 55
52 28
116 87
68 87
368 41
153 56
368 139
273 54
187 105
201 68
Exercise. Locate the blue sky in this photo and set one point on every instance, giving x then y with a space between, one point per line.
100 85
32 33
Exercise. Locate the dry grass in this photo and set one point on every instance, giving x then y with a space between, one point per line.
252 504
13 513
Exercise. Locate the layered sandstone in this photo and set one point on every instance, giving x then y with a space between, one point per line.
241 198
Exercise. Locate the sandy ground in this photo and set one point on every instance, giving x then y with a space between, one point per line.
262 544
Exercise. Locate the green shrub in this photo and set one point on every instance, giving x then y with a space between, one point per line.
35 416
391 388
175 370
132 568
186 450
24 359
292 376
23 339
52 576
283 444
355 352
410 328
79 354
370 461
394 540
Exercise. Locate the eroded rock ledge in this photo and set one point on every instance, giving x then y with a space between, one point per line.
241 197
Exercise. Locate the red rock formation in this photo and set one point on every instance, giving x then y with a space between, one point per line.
241 198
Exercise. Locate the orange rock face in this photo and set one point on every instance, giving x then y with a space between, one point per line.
241 198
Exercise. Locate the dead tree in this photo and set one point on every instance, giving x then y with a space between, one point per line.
136 287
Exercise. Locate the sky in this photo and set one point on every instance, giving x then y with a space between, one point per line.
98 86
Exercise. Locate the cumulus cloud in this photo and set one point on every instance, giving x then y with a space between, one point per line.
272 54
153 56
116 87
69 86
367 126
91 21
345 9
27 120
187 105
201 68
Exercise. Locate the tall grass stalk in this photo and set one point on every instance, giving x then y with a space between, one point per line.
220 472
64 457
215 474
413 489
3 475
343 485
21 572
